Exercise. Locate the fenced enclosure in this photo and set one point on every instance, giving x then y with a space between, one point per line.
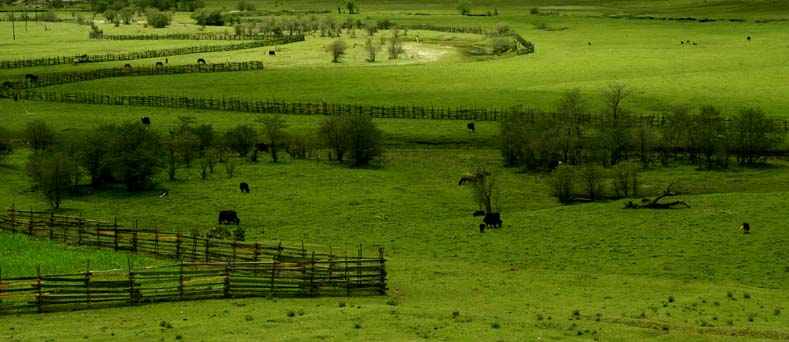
111 57
43 80
215 268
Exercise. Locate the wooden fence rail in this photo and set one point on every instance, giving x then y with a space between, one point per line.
153 242
280 39
43 80
191 281
95 58
282 107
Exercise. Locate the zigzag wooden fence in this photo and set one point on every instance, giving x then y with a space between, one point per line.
216 268
282 107
190 281
204 36
43 80
86 58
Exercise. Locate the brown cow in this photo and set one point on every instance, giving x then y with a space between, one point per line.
469 177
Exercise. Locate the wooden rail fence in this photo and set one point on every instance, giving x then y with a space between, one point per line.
216 268
388 112
205 36
43 80
191 281
95 58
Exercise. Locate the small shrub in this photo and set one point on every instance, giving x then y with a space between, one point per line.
671 299
777 311
357 326
495 325
392 302
300 312
746 295
540 317
730 295
341 304
456 313
291 313
248 318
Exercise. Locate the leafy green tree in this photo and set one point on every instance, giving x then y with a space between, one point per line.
372 49
205 17
39 134
52 172
562 183
592 180
126 14
245 5
337 49
707 132
463 7
572 107
134 155
274 131
157 19
241 139
352 6
752 135
395 45
332 132
365 138
92 151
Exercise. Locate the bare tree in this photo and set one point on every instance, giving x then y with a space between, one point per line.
395 45
572 106
613 96
615 132
337 50
372 49
485 189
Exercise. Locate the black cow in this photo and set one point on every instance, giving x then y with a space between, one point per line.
470 126
31 77
200 61
127 66
481 227
746 228
479 213
146 121
493 220
159 65
228 217
749 38
262 147
244 187
272 52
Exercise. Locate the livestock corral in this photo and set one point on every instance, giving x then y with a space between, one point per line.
534 170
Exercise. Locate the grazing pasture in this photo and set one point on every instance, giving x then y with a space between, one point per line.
587 271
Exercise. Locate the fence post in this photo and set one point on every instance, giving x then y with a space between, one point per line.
227 280
383 269
51 223
30 223
132 296
234 250
39 301
115 226
134 237
275 261
207 244
87 283
180 280
345 277
178 245
312 274
79 231
156 241
98 242
359 265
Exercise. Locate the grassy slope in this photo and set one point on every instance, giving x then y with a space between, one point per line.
626 272
724 69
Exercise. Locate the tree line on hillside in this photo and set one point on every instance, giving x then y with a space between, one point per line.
591 154
133 153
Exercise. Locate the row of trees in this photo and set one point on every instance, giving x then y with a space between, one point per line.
533 140
133 154
395 47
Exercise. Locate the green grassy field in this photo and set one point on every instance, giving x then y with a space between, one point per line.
581 272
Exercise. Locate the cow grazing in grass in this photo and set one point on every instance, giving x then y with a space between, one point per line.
244 187
146 120
228 217
272 53
493 220
746 228
159 65
471 126
201 61
479 213
127 66
467 177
